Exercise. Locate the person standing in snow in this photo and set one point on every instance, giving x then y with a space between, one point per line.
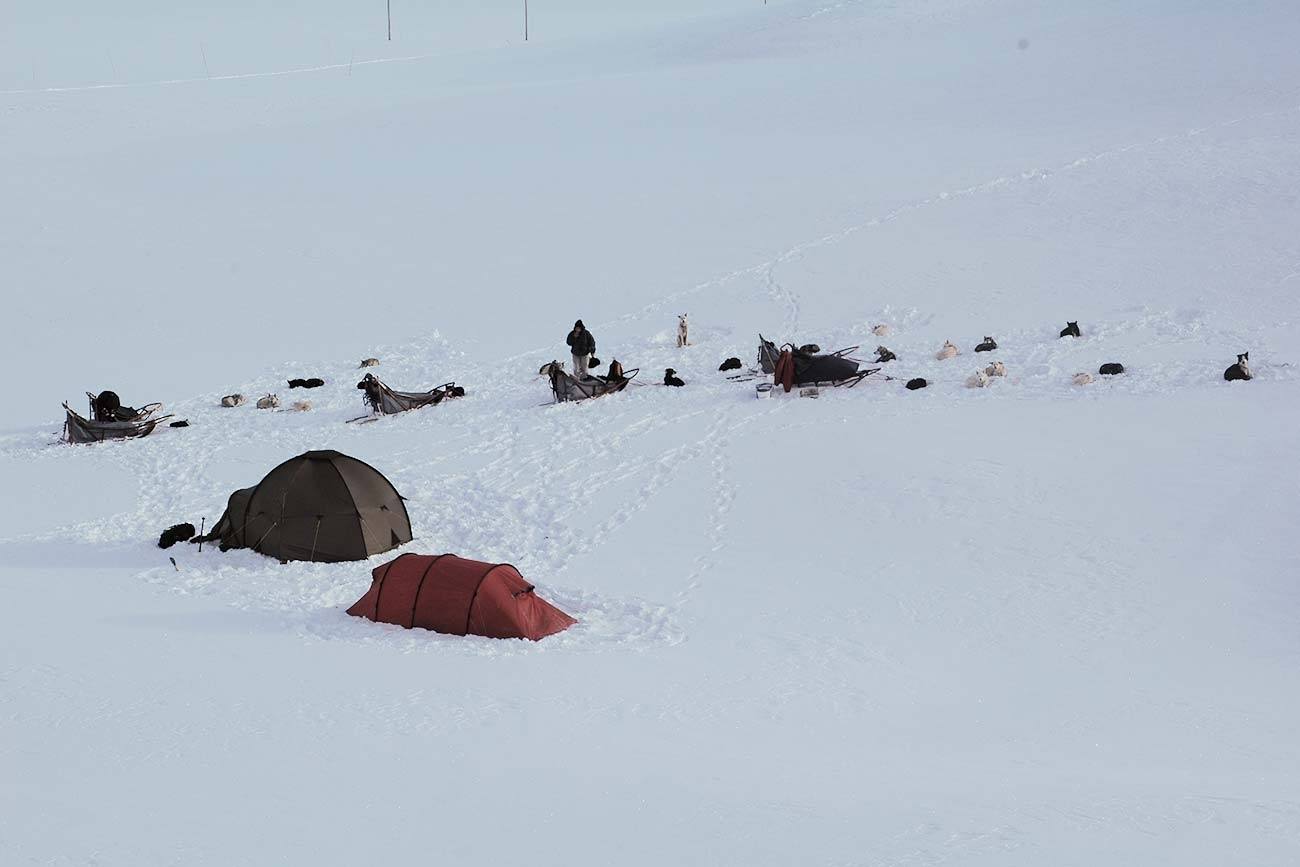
581 345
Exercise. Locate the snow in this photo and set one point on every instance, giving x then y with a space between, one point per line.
1025 624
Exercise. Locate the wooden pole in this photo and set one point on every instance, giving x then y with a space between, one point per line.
390 20
525 20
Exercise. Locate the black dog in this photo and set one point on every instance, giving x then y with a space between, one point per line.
883 355
182 423
174 534
732 363
1071 329
1240 370
306 383
670 378
1113 368
988 345
914 384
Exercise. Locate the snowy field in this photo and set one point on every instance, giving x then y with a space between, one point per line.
1033 624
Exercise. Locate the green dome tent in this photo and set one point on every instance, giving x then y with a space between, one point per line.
322 506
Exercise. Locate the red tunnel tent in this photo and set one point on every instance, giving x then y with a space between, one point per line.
450 594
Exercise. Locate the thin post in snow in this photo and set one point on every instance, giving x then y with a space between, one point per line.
525 20
390 20
351 58
204 52
111 64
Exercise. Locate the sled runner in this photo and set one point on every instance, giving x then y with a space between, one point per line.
386 401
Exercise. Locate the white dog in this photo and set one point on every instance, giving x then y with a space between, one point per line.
1082 378
997 368
978 379
232 400
881 330
271 401
948 351
301 405
683 327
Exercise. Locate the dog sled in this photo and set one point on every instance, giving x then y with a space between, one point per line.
383 400
567 387
808 367
109 420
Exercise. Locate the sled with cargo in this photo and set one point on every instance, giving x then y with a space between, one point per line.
809 368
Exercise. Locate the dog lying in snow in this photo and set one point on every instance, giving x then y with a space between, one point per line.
233 400
881 330
175 533
883 354
270 401
914 384
314 382
732 363
997 368
301 405
369 362
1071 329
670 378
683 331
1112 368
1240 370
988 345
948 351
1083 378
978 379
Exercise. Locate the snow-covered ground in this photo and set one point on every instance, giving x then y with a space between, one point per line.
1030 624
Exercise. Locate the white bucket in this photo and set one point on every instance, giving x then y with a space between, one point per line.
763 389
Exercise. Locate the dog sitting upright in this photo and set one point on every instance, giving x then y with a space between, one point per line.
1071 329
683 331
949 351
1239 371
670 378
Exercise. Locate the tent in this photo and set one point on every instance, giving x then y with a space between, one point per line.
321 506
450 594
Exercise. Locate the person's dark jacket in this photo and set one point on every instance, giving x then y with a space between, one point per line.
580 341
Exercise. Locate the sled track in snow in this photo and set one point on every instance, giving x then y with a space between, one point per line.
763 270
